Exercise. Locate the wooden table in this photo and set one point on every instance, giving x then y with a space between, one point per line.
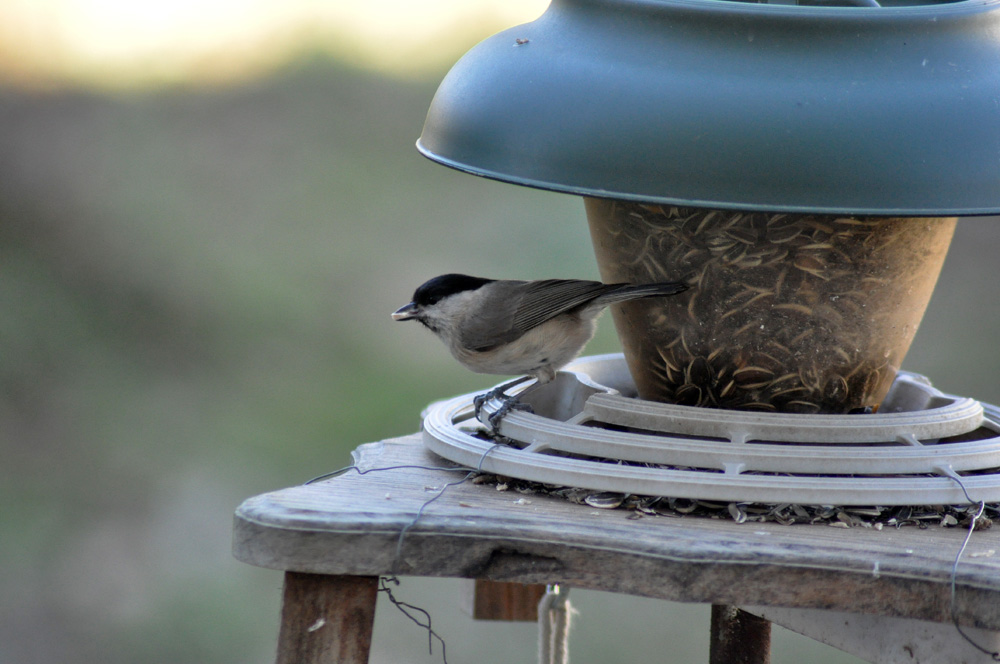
336 537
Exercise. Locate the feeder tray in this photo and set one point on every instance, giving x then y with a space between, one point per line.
589 431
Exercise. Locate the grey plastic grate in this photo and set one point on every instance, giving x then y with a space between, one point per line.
589 431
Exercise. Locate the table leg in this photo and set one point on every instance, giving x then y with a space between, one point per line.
738 637
326 619
496 600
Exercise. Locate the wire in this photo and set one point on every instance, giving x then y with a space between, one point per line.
402 533
405 609
470 473
954 569
341 471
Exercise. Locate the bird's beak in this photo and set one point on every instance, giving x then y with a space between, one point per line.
405 312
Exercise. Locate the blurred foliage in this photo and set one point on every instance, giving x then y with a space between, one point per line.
195 286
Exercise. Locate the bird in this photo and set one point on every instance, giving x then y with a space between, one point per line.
512 327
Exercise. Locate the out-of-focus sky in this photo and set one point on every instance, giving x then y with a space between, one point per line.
125 42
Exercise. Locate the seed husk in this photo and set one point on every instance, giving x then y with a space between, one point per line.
605 500
688 395
783 234
699 371
752 374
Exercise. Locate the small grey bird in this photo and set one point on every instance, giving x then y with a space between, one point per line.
518 327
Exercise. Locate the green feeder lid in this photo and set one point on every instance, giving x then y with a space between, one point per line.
891 109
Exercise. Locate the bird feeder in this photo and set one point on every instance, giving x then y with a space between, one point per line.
802 167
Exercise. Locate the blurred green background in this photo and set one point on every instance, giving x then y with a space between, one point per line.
196 281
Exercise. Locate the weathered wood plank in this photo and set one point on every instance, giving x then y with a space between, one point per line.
352 524
882 640
326 619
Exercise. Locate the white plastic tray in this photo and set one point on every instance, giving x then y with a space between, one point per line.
589 431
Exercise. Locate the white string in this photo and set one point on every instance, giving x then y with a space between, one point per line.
554 616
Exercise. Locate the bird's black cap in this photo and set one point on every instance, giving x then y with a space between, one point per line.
438 288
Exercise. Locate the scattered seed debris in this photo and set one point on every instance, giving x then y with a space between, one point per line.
605 500
876 517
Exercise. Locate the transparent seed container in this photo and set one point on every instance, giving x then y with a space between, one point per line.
794 313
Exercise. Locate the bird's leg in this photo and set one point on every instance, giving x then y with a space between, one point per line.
499 392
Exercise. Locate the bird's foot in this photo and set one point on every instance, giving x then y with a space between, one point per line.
498 392
509 404
480 399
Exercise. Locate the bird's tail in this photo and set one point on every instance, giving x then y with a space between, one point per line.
625 292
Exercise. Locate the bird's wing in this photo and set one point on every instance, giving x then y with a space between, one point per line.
544 300
529 305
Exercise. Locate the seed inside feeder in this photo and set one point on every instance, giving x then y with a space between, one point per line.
786 312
